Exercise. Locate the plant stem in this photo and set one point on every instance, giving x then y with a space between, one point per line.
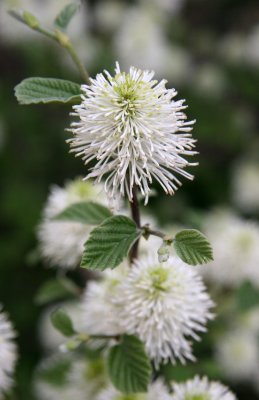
80 66
58 36
135 213
164 236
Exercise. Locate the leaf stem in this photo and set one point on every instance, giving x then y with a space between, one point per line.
84 337
83 72
60 37
135 213
148 231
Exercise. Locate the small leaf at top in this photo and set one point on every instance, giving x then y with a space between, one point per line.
47 90
85 212
128 365
62 322
110 242
65 16
192 247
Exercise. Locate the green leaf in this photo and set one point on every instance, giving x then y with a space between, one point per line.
50 291
85 212
55 373
110 242
62 322
128 365
47 90
65 16
247 297
192 247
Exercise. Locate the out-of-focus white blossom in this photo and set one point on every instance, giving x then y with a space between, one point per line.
252 47
237 354
99 314
109 14
135 130
141 41
61 243
201 389
245 186
235 246
209 80
165 305
232 47
8 353
50 337
169 6
156 391
241 48
77 379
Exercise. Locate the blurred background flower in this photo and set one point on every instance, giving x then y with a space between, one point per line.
208 51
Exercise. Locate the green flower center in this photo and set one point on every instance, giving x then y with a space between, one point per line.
81 188
244 241
130 397
159 278
95 370
202 396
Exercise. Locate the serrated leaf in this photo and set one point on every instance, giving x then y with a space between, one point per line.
128 365
65 16
51 290
62 322
192 247
110 242
247 297
85 212
47 90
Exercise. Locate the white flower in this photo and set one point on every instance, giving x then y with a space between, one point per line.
109 13
202 389
51 338
136 131
78 379
61 243
250 321
245 183
168 6
165 306
99 314
8 353
156 391
236 252
252 47
139 37
237 354
209 80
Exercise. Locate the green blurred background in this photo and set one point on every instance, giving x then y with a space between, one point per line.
211 57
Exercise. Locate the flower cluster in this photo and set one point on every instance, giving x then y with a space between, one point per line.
79 379
202 389
165 305
156 391
236 252
135 130
61 243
